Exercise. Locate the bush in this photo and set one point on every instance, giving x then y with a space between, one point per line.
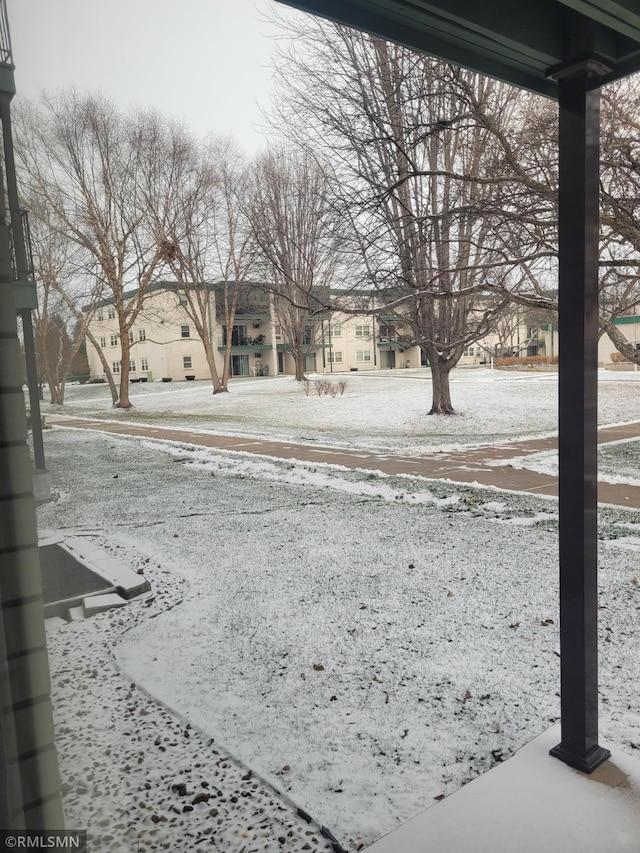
619 358
325 386
526 360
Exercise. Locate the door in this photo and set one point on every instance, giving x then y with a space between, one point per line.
388 358
239 365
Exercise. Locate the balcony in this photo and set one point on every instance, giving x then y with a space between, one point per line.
245 343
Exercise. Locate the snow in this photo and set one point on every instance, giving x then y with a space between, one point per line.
536 794
381 410
363 643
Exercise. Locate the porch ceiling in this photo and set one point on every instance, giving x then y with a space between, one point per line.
519 41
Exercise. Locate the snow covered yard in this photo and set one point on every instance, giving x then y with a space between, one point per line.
368 644
381 410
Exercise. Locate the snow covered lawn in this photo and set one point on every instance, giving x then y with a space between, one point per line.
367 643
382 410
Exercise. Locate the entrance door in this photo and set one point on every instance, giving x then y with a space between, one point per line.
239 365
388 358
280 362
310 363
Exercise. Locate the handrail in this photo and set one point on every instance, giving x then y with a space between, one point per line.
5 38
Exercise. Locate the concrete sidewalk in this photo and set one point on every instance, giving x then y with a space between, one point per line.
463 466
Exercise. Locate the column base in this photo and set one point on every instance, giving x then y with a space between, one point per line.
586 763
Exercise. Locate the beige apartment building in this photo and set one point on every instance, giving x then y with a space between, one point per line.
630 328
165 344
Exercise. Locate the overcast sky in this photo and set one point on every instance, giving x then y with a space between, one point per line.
204 61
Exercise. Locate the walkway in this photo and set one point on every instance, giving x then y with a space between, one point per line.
462 466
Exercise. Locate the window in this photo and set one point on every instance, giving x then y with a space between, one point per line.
278 332
132 366
386 332
144 364
113 340
186 362
469 351
362 331
185 331
142 335
100 314
115 366
111 313
336 331
103 342
130 336
335 358
363 355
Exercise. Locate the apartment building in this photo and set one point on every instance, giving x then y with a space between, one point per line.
165 344
630 328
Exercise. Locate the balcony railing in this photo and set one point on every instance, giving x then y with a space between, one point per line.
5 38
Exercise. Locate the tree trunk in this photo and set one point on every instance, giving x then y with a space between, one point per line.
123 401
440 370
299 360
213 372
57 394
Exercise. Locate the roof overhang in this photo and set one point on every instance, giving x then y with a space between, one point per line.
522 42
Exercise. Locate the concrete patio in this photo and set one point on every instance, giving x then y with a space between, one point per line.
531 803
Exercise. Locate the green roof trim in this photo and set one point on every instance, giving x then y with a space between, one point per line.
624 321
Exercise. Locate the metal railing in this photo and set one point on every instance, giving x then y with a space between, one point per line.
5 38
28 250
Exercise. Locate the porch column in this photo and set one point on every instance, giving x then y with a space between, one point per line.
579 142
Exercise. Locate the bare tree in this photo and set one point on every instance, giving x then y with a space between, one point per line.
65 307
295 227
421 171
99 174
208 239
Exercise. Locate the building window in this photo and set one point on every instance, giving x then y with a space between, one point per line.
113 340
144 364
186 362
130 336
469 351
100 314
132 366
103 342
115 366
111 313
335 358
185 331
386 331
336 331
362 331
278 332
142 335
363 355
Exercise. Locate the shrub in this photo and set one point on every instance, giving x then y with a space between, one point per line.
325 386
618 358
526 360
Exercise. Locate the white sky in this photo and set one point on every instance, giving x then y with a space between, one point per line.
206 62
